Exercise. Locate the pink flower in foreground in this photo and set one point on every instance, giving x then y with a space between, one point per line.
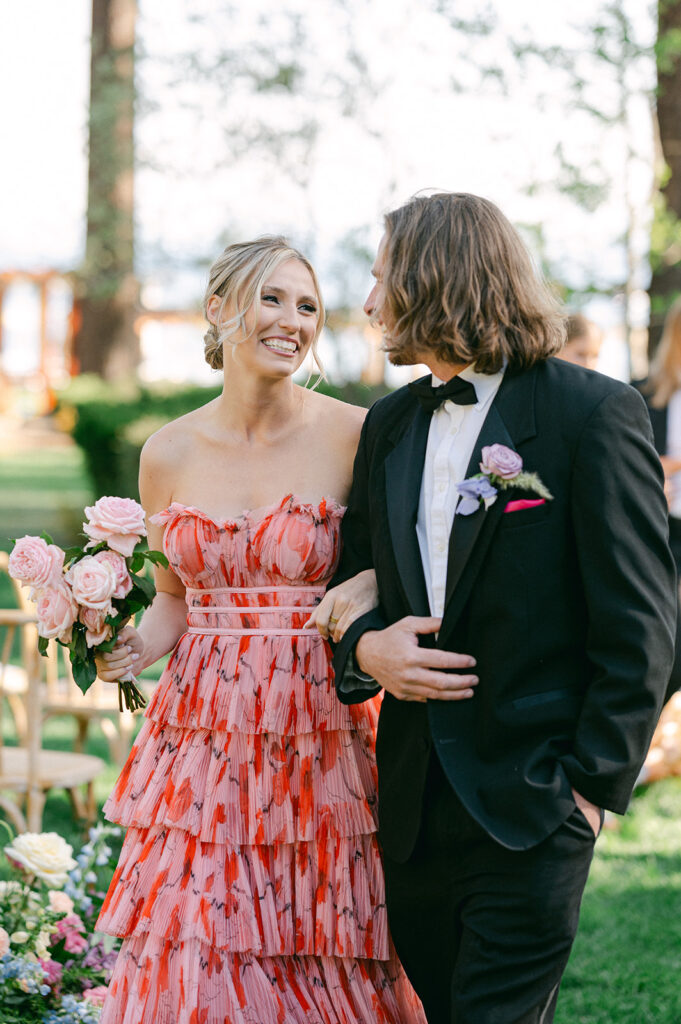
71 930
118 521
97 629
74 943
93 583
52 969
4 942
117 562
56 611
70 923
36 563
60 902
96 995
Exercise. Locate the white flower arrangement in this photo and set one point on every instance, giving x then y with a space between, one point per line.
54 968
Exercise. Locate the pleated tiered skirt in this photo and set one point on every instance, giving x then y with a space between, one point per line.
250 887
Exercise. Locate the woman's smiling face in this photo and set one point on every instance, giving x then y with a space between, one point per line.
281 325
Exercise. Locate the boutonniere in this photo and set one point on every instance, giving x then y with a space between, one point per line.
501 468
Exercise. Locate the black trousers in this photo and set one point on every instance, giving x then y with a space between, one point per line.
484 933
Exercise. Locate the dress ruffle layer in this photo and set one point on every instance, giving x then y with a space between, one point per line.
157 982
324 898
236 788
254 684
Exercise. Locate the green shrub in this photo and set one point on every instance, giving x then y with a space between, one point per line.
111 422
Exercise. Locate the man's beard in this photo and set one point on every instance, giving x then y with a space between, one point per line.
402 356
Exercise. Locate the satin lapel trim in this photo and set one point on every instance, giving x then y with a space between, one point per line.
467 529
510 421
403 474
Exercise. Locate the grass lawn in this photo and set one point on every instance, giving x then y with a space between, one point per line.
626 963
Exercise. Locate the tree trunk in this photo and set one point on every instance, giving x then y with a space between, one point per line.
106 343
665 285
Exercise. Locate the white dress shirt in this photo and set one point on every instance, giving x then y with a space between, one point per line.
452 435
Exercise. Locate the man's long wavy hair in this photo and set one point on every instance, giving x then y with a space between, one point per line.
460 284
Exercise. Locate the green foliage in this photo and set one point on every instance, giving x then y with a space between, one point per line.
106 421
665 236
111 422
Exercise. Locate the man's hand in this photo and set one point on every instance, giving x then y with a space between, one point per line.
591 812
394 659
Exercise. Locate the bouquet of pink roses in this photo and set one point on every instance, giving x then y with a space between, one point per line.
85 595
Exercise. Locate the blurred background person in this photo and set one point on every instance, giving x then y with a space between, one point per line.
583 342
662 393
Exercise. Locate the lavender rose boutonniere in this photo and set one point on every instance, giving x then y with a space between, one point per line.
501 468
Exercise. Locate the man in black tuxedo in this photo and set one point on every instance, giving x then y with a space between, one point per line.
524 647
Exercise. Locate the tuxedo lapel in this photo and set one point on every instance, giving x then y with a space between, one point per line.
509 421
403 474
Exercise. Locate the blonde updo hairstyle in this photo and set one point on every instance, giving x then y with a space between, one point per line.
238 275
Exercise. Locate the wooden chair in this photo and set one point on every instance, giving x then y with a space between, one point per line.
61 696
30 772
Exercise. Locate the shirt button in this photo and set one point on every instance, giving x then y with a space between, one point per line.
442 487
440 547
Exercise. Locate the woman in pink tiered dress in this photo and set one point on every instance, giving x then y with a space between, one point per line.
250 888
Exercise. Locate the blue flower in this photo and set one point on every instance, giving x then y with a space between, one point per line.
475 491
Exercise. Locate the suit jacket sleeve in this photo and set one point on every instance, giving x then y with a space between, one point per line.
353 686
620 522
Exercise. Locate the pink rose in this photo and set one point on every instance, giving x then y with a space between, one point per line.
96 995
117 562
4 942
97 629
56 611
36 563
501 461
93 583
118 521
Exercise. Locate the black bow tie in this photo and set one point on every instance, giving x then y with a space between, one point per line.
456 390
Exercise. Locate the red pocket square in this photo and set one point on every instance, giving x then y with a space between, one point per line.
516 506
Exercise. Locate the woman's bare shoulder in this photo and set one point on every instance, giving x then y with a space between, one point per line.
337 415
173 440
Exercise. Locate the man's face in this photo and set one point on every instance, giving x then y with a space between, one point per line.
373 307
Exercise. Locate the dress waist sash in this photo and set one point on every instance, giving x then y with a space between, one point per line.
254 611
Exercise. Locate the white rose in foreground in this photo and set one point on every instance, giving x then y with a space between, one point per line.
43 854
4 942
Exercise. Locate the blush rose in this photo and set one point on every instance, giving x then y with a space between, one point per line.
97 629
117 521
57 611
498 460
36 563
93 583
117 562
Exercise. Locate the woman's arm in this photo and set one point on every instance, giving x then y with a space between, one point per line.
164 622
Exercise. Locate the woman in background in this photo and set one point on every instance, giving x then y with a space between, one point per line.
250 887
662 392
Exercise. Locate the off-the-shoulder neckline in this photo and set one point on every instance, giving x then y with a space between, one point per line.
321 508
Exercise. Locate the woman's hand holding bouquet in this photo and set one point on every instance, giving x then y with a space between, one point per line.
85 595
